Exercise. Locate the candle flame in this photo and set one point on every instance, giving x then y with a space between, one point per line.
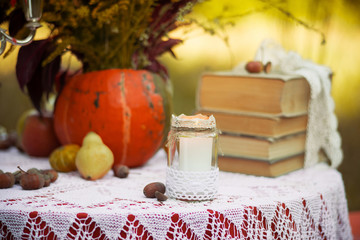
197 116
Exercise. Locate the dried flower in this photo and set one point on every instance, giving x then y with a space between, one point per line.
101 34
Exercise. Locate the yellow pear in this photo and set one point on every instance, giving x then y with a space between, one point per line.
94 159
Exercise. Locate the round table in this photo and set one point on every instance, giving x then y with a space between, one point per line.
305 204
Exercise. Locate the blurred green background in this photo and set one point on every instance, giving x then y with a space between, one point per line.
229 32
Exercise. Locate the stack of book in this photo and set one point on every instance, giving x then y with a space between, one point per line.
262 118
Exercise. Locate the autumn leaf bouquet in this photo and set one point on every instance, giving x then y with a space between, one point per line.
128 34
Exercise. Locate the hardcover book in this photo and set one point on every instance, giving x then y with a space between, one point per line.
272 168
275 127
257 94
261 148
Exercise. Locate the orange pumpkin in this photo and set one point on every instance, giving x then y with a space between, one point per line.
129 109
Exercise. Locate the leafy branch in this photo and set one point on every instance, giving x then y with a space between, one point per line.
295 19
218 25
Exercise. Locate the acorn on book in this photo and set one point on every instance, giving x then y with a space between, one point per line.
257 67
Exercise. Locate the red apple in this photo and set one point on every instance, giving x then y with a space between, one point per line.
38 136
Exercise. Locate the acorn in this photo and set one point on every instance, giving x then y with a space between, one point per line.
52 173
151 188
33 171
5 140
47 178
267 67
120 171
5 144
31 181
17 174
7 180
160 196
254 66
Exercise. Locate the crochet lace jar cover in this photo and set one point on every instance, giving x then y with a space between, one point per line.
192 171
306 204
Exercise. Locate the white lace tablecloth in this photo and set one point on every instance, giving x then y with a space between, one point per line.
306 204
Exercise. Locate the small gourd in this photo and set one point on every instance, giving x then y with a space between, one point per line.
94 159
63 158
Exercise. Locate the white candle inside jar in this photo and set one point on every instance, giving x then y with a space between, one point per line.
195 153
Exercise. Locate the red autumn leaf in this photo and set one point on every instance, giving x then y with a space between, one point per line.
38 79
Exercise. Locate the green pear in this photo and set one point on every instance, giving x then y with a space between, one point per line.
94 159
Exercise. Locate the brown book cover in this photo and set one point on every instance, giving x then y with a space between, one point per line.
261 148
259 94
264 168
274 127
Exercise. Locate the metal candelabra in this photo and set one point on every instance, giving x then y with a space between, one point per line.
33 11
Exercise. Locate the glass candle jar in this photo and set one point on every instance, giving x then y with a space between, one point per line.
192 170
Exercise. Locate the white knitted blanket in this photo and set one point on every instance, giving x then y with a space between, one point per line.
322 123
